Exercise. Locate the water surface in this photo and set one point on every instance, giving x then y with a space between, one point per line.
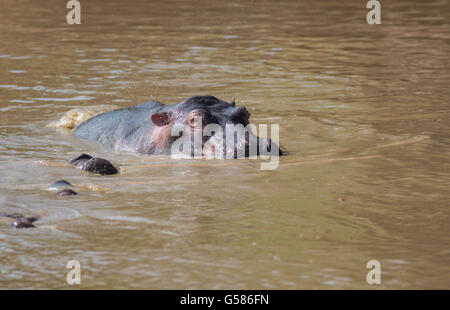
363 111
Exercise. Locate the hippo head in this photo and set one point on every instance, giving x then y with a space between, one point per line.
209 127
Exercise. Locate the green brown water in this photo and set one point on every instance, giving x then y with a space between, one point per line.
363 111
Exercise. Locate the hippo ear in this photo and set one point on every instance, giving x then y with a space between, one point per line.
161 118
233 102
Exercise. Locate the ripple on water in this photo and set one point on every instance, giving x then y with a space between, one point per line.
94 60
13 86
77 98
21 57
109 50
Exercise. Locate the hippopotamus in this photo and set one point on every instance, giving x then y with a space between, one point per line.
148 128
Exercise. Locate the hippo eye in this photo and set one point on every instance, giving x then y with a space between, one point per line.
196 120
195 125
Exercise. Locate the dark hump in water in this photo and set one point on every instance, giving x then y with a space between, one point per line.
20 220
24 222
98 165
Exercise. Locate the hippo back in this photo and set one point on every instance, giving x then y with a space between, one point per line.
120 129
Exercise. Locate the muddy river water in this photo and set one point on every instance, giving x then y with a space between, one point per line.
363 111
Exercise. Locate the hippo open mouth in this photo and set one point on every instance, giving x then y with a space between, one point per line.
200 126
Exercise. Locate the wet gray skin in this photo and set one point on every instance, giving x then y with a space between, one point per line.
146 128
